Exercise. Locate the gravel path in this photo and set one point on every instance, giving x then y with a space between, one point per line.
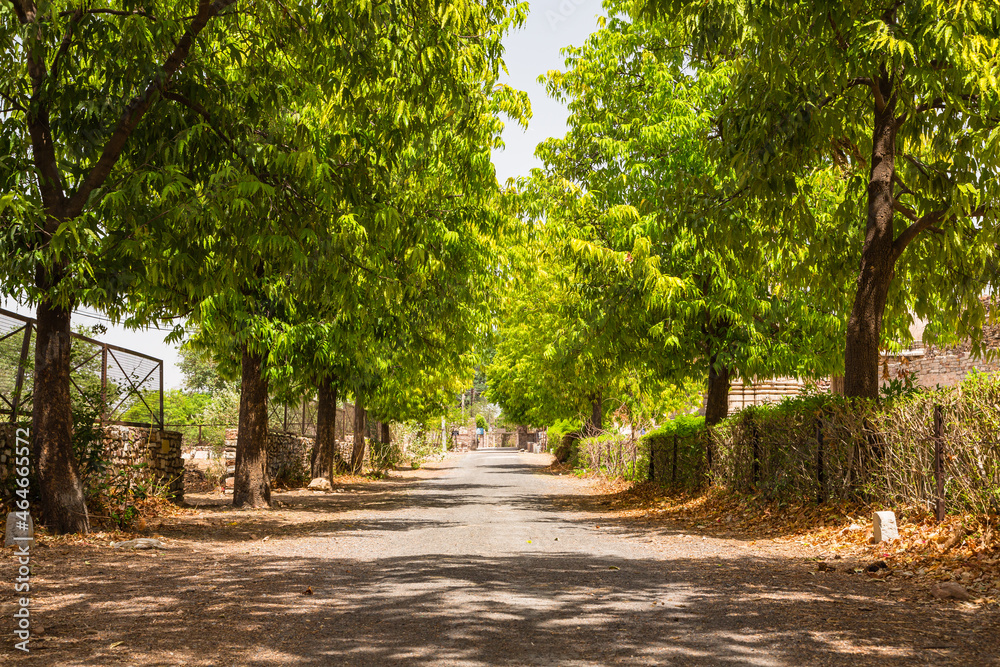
487 562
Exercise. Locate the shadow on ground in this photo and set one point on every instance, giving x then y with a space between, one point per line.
528 609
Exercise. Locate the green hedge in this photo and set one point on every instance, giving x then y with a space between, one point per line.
616 456
562 437
678 453
824 446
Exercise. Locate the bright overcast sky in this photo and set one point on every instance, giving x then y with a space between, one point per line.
531 51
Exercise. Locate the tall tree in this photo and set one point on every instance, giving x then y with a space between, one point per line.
901 97
664 279
97 106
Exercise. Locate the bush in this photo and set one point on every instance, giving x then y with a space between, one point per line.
679 453
562 437
878 453
615 456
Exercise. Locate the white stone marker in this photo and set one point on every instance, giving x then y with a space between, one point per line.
884 527
14 532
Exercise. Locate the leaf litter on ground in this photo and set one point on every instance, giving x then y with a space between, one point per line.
963 549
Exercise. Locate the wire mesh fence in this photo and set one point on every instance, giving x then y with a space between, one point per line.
112 384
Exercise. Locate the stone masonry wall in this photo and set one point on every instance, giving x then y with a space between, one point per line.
8 443
932 366
159 450
123 446
289 455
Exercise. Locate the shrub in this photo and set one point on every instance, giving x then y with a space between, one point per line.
615 456
679 452
562 437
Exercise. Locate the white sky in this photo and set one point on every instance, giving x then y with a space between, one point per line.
531 51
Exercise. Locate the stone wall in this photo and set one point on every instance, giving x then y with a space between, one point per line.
932 365
123 446
8 443
288 457
159 450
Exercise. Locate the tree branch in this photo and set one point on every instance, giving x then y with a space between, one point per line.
14 104
138 106
43 150
905 190
840 38
905 210
64 46
115 12
910 233
203 112
926 222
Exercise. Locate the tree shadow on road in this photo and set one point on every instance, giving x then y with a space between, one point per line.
522 609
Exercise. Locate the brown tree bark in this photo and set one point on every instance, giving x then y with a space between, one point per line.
324 451
596 422
358 453
717 399
878 255
252 485
63 504
385 436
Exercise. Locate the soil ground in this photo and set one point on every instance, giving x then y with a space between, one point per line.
486 558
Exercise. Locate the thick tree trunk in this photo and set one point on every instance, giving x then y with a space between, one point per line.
384 436
358 453
324 451
717 400
63 505
596 422
252 486
864 328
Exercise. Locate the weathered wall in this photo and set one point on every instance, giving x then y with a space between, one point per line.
160 450
932 365
8 443
288 457
123 446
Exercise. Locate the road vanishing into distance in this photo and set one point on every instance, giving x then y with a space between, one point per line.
488 559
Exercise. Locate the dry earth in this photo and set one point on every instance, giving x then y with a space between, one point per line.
484 559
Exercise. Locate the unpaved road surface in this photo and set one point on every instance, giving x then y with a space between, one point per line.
490 561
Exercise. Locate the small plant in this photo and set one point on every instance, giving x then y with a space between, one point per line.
481 422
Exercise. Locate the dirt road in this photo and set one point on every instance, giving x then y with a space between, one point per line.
488 562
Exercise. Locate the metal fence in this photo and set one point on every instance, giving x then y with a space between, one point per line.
115 384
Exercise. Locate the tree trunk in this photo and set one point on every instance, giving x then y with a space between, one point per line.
358 454
252 486
324 451
385 436
864 328
717 400
596 422
63 505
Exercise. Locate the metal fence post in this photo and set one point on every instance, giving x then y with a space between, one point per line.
161 395
104 386
820 472
939 461
673 465
652 456
19 381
